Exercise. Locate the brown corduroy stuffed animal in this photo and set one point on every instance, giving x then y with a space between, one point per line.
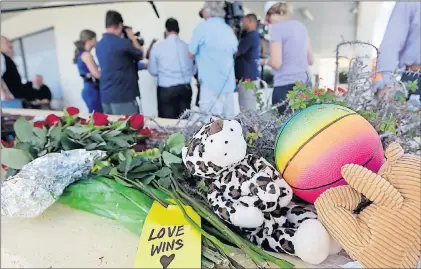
386 234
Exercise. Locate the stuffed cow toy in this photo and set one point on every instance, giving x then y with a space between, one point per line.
247 192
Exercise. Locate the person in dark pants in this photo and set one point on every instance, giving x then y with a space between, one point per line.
290 51
88 70
118 57
11 84
169 62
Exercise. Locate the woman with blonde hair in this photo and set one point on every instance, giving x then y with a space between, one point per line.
290 51
88 70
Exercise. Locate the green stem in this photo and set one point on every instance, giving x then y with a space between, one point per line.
260 262
255 248
145 189
212 238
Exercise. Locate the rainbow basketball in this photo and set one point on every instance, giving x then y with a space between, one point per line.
314 144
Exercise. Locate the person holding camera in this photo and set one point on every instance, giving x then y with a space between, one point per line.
169 62
215 61
118 57
88 70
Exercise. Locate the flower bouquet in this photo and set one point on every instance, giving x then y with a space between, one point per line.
68 132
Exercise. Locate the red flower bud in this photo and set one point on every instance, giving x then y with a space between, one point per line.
40 124
100 119
144 131
137 121
341 90
140 147
306 97
52 120
330 90
72 111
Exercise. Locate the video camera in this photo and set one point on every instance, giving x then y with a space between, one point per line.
234 13
262 29
137 35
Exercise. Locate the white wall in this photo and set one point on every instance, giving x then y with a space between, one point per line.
68 22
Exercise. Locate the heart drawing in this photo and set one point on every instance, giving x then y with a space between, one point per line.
166 260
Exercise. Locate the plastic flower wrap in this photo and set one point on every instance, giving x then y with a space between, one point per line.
40 182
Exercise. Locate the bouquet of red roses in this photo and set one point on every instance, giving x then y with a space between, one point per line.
68 132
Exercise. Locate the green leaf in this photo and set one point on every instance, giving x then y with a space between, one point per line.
79 130
129 160
55 136
23 130
91 146
111 134
104 171
164 172
10 172
96 136
170 158
145 167
148 179
175 143
165 182
120 142
122 125
15 158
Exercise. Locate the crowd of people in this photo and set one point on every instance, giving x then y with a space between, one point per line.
218 63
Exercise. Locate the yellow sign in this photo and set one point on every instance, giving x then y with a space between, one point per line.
168 240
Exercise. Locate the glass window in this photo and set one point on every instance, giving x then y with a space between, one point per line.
41 59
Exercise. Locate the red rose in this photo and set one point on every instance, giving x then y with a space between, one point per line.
140 147
124 118
100 119
72 111
137 121
40 124
144 131
52 120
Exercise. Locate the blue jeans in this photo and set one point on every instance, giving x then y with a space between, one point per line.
407 77
90 95
280 94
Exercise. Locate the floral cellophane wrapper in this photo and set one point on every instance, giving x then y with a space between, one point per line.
40 182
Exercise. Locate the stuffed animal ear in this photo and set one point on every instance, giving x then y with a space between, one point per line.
216 127
394 152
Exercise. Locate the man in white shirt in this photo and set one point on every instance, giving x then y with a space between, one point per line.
169 62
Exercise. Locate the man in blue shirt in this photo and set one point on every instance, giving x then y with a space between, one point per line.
169 62
118 59
213 45
401 44
247 59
